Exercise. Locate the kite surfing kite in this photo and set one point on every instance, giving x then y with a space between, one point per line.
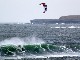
45 7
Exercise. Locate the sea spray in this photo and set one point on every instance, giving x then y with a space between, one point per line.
33 40
13 41
22 41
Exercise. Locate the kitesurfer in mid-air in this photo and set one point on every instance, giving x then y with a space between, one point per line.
45 7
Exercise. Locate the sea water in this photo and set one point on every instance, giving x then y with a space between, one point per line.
37 41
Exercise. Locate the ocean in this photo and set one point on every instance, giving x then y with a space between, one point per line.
40 41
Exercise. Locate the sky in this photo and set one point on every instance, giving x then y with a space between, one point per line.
22 11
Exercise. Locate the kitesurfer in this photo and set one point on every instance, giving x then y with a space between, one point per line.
45 7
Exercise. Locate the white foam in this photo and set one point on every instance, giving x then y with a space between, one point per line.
32 56
57 27
62 23
78 27
56 23
63 27
72 27
70 54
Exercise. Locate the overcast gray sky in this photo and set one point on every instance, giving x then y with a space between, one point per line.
22 11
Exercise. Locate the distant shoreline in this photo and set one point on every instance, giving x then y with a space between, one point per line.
63 19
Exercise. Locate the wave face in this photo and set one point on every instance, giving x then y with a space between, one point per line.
30 49
8 50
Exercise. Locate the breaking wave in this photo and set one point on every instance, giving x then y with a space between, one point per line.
37 49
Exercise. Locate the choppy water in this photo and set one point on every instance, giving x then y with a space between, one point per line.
39 41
